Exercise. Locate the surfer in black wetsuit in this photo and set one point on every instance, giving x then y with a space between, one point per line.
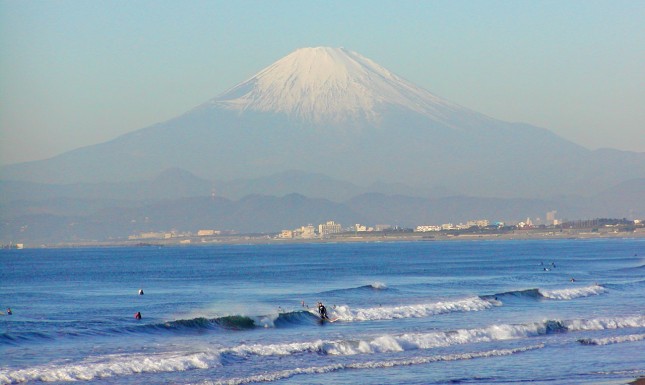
322 311
137 315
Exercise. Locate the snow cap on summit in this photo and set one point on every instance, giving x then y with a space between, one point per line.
330 85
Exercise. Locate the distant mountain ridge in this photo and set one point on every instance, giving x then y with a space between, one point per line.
179 183
66 220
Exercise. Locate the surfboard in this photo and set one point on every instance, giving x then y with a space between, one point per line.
322 320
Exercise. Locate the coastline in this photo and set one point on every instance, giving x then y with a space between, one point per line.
366 237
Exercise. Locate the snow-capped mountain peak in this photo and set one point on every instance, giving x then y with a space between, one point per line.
331 85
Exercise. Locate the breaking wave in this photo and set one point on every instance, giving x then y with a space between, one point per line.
112 365
564 294
605 323
345 313
308 317
558 294
126 364
612 340
283 374
419 341
120 365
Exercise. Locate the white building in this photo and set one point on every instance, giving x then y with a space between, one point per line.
477 223
206 233
362 228
328 228
426 228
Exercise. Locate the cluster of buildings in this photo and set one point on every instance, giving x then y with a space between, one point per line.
481 223
329 228
183 237
326 229
309 231
550 220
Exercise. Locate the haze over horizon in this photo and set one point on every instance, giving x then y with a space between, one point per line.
76 74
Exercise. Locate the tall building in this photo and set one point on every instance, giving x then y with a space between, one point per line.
330 227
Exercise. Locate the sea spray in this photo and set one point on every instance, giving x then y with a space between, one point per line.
571 293
345 313
112 365
283 374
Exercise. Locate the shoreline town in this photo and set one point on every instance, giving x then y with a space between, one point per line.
209 238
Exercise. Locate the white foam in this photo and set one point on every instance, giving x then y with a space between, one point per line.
112 365
275 349
564 294
614 340
415 341
347 314
605 323
282 374
117 365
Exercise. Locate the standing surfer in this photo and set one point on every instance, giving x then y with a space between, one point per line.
322 311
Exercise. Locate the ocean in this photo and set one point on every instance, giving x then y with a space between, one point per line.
456 312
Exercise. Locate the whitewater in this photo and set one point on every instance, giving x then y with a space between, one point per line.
406 313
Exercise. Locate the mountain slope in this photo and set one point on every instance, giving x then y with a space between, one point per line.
325 85
333 112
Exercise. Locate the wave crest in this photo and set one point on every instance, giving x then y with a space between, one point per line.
565 294
612 340
347 314
112 365
283 374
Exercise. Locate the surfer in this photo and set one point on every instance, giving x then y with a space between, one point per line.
137 315
322 311
140 291
9 312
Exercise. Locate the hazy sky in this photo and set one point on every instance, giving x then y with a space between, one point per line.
74 73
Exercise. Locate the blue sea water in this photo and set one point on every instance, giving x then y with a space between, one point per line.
470 312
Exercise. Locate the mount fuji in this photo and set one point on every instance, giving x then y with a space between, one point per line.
333 112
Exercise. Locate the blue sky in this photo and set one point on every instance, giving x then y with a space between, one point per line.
75 73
